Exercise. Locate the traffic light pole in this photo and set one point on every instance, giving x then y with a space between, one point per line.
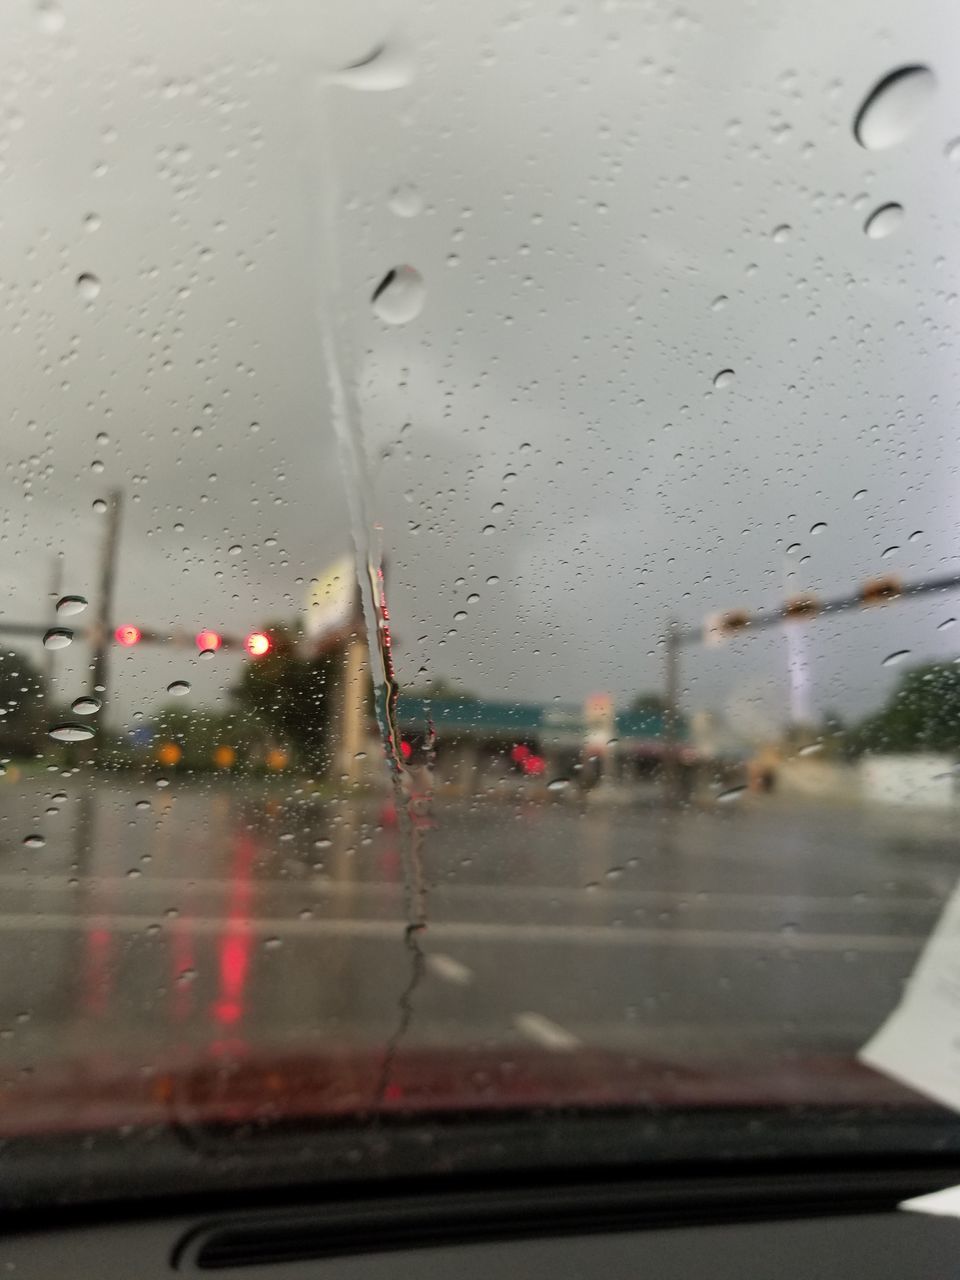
671 715
103 627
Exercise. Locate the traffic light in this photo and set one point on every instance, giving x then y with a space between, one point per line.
258 644
880 590
127 634
801 608
209 641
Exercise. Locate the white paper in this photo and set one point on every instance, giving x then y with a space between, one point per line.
945 1203
919 1044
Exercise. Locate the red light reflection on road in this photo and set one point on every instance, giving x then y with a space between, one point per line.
237 939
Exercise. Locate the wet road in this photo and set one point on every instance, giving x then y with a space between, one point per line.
156 922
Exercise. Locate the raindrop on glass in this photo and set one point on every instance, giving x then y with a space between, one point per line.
34 841
558 784
781 234
723 379
893 107
85 706
50 17
88 286
178 688
892 659
884 221
946 624
385 67
71 732
99 505
405 201
57 638
731 794
400 295
818 527
69 605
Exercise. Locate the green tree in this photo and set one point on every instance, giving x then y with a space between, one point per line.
22 710
921 714
293 696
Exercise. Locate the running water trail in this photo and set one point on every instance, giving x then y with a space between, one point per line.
412 807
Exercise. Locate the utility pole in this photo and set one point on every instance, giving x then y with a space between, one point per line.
103 626
49 655
353 711
671 717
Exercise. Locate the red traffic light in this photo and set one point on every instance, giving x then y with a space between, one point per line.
127 634
257 644
209 641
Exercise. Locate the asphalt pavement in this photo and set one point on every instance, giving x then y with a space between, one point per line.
160 922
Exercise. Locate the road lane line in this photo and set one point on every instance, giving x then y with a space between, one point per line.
548 1034
449 970
482 932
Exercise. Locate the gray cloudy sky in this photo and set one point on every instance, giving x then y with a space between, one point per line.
590 180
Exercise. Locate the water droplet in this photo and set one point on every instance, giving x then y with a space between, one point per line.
57 638
558 784
892 659
946 624
99 505
68 605
719 302
405 201
723 379
88 286
400 295
460 615
893 107
142 804
952 151
818 527
810 749
178 688
385 67
272 944
34 841
781 234
492 580
859 495
71 732
884 221
235 550
91 222
50 17
888 552
488 529
85 706
731 794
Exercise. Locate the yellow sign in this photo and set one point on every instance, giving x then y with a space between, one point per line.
331 601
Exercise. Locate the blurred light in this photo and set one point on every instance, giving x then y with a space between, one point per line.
127 634
534 765
209 641
519 753
257 644
406 749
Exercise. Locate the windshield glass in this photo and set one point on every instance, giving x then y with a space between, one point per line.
480 567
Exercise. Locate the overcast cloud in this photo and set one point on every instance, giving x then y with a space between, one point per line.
591 179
